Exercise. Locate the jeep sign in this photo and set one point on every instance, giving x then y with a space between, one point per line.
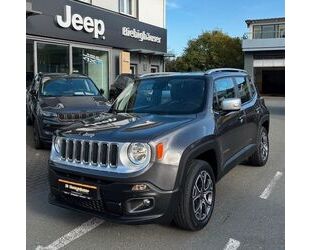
77 22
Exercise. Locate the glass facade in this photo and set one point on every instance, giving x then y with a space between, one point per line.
93 63
52 58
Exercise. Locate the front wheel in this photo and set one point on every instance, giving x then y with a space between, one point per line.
197 197
261 155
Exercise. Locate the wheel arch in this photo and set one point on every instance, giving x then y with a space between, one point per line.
207 151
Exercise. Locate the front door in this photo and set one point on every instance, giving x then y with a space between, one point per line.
228 123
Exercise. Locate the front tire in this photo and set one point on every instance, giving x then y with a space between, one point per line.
197 197
261 155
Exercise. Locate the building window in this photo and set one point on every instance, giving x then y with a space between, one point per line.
128 7
269 31
30 64
93 63
154 69
52 58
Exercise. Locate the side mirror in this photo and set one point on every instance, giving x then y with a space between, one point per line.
101 91
231 104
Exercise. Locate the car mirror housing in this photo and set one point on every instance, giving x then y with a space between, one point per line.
231 104
101 91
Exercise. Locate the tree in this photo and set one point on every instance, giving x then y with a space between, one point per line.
210 50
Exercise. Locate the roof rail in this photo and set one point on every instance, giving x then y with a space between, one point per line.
158 74
224 70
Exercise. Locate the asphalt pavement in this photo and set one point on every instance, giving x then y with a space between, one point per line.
249 212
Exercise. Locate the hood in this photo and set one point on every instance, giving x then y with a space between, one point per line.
74 103
125 127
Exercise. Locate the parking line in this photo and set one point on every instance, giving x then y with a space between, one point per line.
266 193
232 244
72 235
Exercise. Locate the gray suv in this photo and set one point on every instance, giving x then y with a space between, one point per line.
158 153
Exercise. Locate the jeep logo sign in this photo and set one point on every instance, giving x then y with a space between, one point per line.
77 22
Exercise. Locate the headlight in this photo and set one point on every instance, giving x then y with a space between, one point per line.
139 153
57 144
48 114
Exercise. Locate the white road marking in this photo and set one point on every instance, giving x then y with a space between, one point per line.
232 244
266 193
72 235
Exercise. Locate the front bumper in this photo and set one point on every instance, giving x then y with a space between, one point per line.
115 201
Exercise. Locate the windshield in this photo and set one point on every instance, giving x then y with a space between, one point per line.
165 95
68 87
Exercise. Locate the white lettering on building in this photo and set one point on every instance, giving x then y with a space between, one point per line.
140 35
90 25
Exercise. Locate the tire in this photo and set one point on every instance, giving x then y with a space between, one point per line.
191 198
36 136
28 119
261 155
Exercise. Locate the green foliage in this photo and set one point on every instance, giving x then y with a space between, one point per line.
210 50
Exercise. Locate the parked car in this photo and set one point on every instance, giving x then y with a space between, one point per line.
155 158
55 100
120 83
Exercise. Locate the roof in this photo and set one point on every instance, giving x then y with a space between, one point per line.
62 75
212 72
265 20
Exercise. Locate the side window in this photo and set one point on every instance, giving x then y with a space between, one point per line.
252 87
224 88
243 89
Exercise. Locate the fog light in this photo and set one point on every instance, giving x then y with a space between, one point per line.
146 202
140 187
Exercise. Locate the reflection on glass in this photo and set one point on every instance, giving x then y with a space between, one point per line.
93 63
53 58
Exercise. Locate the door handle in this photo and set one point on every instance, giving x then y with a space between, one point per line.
258 110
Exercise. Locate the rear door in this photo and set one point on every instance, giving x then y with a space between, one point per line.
228 124
250 108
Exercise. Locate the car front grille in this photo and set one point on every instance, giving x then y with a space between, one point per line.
89 152
76 116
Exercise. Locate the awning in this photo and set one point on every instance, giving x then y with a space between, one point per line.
150 52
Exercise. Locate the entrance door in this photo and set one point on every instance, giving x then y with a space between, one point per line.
93 63
273 82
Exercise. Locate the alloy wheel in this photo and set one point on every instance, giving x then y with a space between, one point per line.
202 196
264 146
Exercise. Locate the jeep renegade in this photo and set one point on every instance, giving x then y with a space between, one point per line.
157 154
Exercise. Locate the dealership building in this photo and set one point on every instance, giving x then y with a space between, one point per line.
264 54
99 38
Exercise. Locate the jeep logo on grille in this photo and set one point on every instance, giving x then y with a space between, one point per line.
78 23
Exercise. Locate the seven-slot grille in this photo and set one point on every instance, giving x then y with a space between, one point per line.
89 152
76 116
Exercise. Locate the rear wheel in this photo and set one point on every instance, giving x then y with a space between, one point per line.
261 155
197 197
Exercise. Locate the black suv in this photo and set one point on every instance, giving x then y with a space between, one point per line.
120 83
55 100
158 153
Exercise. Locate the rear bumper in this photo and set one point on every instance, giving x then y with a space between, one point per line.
116 201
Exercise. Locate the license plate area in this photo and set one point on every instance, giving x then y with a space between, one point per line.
77 189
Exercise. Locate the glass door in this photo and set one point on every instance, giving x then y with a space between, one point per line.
93 63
